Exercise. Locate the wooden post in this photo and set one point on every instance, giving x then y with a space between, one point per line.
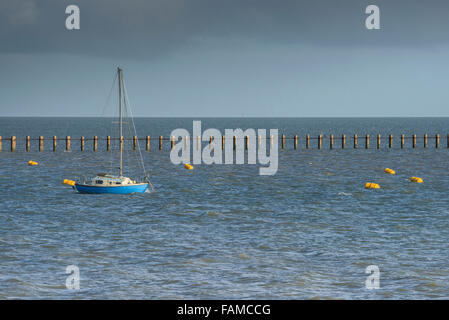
271 141
13 143
135 143
367 141
81 143
307 141
355 141
160 142
378 141
320 141
390 141
402 141
425 140
27 143
41 143
223 142
437 141
414 141
331 141
447 141
172 143
95 143
186 142
148 143
235 142
343 141
67 143
283 141
296 142
108 143
246 142
0 143
55 141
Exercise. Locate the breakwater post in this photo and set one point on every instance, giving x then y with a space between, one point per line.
28 140
41 143
134 143
27 143
13 143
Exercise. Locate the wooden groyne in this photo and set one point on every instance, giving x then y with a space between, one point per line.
296 141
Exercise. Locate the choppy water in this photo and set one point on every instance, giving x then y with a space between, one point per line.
223 231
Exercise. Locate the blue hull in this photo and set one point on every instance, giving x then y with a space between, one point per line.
140 188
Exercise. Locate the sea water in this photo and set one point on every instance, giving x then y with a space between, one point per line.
224 231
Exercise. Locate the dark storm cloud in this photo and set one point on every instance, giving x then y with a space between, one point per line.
144 29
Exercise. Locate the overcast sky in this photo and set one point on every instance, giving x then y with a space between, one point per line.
202 58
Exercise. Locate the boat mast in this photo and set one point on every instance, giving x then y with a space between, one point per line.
120 116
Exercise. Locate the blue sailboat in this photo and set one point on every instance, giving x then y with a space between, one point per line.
115 184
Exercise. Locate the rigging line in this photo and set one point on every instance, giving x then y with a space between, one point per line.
134 126
78 166
112 130
135 132
111 158
127 127
128 113
110 93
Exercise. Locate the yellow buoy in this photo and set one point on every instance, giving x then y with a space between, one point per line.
416 179
370 185
188 166
390 171
32 163
69 182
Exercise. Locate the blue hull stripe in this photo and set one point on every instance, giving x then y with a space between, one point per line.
141 188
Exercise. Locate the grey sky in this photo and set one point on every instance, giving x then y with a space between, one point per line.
226 58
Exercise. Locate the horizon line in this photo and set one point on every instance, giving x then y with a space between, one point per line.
230 117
